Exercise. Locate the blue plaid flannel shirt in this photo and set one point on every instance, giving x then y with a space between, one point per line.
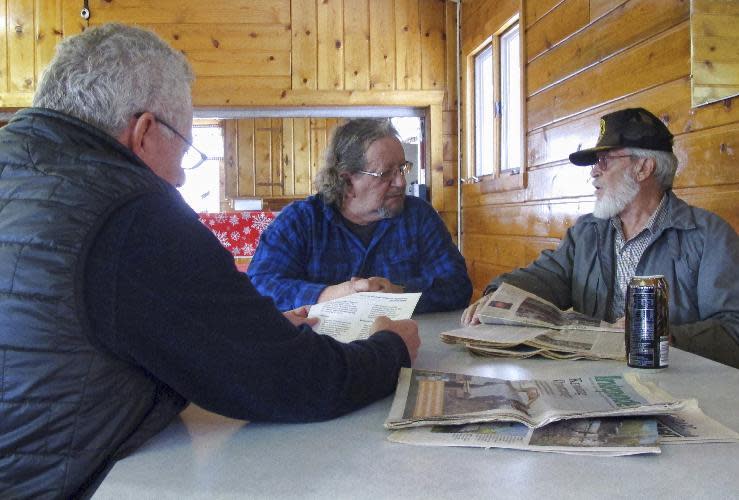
308 247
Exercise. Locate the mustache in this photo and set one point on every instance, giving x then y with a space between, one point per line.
394 192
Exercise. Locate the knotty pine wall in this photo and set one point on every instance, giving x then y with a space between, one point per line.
585 58
275 53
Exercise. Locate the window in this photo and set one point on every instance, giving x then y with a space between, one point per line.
202 188
498 137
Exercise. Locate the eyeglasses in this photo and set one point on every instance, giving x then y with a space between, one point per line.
389 174
193 157
602 161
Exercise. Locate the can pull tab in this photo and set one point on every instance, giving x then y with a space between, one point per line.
85 12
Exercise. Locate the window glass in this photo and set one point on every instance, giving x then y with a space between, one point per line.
484 112
202 185
510 96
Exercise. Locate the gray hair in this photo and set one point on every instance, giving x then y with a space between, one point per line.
346 153
665 164
107 74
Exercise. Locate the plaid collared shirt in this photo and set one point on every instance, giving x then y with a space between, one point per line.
628 253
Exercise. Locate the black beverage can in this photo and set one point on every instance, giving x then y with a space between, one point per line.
647 322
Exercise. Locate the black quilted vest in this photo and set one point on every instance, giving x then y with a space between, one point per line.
68 409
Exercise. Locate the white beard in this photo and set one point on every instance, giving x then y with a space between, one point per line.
616 196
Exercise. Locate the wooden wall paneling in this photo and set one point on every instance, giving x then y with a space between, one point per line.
670 101
221 62
288 157
545 220
719 201
319 141
246 157
356 44
72 22
225 36
48 32
659 59
482 19
4 34
231 158
450 56
566 18
601 7
302 156
408 44
186 11
304 44
276 156
715 47
382 44
537 9
21 46
709 157
263 157
433 45
330 44
435 179
626 27
562 178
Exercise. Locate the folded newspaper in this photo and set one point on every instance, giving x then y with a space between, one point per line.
426 397
520 342
517 324
509 305
608 436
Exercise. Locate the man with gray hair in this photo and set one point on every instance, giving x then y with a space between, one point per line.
639 227
117 306
360 233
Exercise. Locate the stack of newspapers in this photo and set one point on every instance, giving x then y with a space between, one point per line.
518 324
595 415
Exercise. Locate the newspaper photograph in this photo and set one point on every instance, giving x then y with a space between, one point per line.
521 342
426 397
350 318
510 305
613 436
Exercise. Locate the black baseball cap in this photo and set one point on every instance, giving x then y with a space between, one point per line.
627 128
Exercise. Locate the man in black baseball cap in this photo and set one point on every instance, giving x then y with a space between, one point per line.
639 227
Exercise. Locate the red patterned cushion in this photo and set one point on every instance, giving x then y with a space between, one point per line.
239 232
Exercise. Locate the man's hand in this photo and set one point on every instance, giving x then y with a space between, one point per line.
407 329
469 316
299 317
375 284
354 285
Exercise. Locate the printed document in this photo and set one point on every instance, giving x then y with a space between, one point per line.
350 318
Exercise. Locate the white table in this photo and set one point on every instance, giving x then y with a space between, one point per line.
203 455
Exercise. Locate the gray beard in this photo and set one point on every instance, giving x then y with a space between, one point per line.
616 197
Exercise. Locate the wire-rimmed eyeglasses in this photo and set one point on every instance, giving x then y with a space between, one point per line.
390 173
193 157
602 161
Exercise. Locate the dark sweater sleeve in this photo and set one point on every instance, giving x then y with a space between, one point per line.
163 294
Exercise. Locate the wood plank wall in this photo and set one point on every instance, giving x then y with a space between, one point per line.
283 53
29 32
585 58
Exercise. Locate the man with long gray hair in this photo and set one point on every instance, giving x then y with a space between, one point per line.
117 306
639 227
360 233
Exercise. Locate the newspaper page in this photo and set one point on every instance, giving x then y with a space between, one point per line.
526 341
512 306
614 436
425 397
350 318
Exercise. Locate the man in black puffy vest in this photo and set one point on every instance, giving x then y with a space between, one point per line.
117 306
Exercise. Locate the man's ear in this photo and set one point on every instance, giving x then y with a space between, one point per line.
645 169
141 140
347 179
